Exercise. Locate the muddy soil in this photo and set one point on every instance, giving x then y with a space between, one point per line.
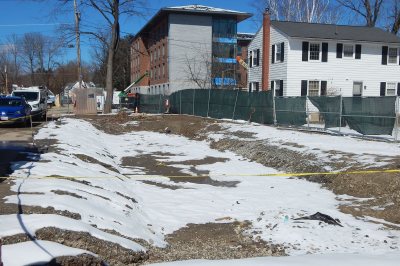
213 241
383 188
230 239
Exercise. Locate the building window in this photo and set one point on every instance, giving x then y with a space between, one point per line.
163 50
392 55
314 51
390 89
277 87
251 58
348 50
313 88
151 56
255 86
256 59
357 88
163 70
278 53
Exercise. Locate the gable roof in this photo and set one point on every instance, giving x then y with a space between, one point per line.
334 32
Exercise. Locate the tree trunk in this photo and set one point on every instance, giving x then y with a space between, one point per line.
109 78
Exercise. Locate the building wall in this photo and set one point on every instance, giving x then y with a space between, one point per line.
190 40
340 73
255 72
279 70
140 62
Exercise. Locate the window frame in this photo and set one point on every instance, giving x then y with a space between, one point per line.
362 86
352 53
309 86
397 56
278 46
255 58
394 88
319 51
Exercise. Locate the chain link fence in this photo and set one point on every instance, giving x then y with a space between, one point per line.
364 116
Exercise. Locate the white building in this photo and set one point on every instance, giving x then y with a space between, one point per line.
324 59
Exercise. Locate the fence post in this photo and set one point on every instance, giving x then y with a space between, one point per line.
396 124
180 102
307 112
208 105
274 108
1 261
340 113
159 104
194 96
234 107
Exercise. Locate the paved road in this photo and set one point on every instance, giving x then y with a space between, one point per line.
17 141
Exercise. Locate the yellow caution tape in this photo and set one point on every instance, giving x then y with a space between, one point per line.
222 175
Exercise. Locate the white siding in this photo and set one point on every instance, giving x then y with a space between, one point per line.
255 72
190 38
278 70
340 73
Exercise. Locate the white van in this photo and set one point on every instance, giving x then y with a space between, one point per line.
36 98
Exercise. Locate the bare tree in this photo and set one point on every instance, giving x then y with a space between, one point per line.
29 53
13 43
111 11
369 10
311 11
395 17
198 70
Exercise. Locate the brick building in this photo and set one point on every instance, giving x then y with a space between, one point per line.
186 47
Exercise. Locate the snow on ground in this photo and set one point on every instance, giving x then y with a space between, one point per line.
313 143
391 259
139 210
15 224
36 252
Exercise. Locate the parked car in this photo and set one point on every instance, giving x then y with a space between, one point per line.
36 97
51 99
14 110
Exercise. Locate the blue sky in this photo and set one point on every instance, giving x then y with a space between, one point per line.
21 16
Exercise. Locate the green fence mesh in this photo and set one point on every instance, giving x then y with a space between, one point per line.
152 104
291 110
255 107
222 103
329 108
370 115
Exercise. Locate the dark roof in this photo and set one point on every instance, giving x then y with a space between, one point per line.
334 32
195 10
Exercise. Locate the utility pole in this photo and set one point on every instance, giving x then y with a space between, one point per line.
78 42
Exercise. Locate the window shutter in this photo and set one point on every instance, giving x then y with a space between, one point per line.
339 50
305 51
273 53
323 87
398 89
304 88
384 55
251 59
282 52
358 51
272 85
258 57
324 52
281 88
249 86
383 88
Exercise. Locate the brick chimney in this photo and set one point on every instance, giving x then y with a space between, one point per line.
265 50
